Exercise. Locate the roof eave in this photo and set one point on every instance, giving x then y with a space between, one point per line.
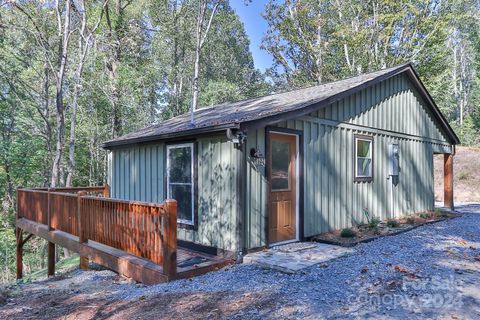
169 136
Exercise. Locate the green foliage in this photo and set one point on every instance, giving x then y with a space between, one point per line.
463 175
469 131
393 223
425 215
138 68
372 221
410 220
348 233
319 41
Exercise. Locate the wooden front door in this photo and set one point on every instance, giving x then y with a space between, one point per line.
282 178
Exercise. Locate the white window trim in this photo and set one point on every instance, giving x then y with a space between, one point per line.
177 146
357 157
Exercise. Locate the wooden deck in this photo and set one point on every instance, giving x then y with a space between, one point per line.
137 241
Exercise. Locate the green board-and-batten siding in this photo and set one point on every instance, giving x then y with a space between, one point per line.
138 173
392 112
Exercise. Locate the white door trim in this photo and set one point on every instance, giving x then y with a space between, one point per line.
297 189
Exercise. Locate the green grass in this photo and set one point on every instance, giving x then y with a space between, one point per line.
61 266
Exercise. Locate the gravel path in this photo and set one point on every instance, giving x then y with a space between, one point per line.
430 272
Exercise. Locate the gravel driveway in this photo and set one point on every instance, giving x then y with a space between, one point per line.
430 272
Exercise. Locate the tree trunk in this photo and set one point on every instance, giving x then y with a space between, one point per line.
196 66
113 64
45 113
83 40
60 118
64 34
200 41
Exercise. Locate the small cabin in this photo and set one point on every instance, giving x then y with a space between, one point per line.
289 166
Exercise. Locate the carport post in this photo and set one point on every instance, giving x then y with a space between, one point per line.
448 180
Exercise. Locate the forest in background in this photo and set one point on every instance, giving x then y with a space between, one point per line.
76 73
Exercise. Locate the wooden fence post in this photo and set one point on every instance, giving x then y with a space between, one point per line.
106 190
170 240
81 228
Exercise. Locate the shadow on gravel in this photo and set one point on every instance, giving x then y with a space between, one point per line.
217 305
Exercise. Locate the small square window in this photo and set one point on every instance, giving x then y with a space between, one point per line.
363 158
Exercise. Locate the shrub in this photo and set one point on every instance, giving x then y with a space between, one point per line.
347 233
393 223
463 175
441 213
410 220
425 215
373 223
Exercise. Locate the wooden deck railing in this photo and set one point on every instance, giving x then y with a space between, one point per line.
148 230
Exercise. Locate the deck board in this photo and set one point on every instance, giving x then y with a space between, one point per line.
137 268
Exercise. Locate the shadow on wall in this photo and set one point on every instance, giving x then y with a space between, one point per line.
216 196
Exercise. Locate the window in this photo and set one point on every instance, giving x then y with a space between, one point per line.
180 180
280 165
363 158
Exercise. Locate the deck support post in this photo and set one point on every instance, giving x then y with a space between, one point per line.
51 259
448 181
19 234
51 245
81 233
170 241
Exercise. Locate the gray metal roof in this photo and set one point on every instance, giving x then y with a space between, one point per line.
274 107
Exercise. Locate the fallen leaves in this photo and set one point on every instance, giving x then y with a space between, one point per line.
408 273
400 269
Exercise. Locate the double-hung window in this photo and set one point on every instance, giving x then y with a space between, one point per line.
180 180
363 158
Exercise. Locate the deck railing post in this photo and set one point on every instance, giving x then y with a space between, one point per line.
49 208
81 228
106 190
170 240
19 199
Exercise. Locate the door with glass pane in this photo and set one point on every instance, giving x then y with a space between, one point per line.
282 163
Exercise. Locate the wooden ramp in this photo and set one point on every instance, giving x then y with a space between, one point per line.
126 264
134 239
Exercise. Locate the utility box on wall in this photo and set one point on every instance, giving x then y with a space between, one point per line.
393 157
